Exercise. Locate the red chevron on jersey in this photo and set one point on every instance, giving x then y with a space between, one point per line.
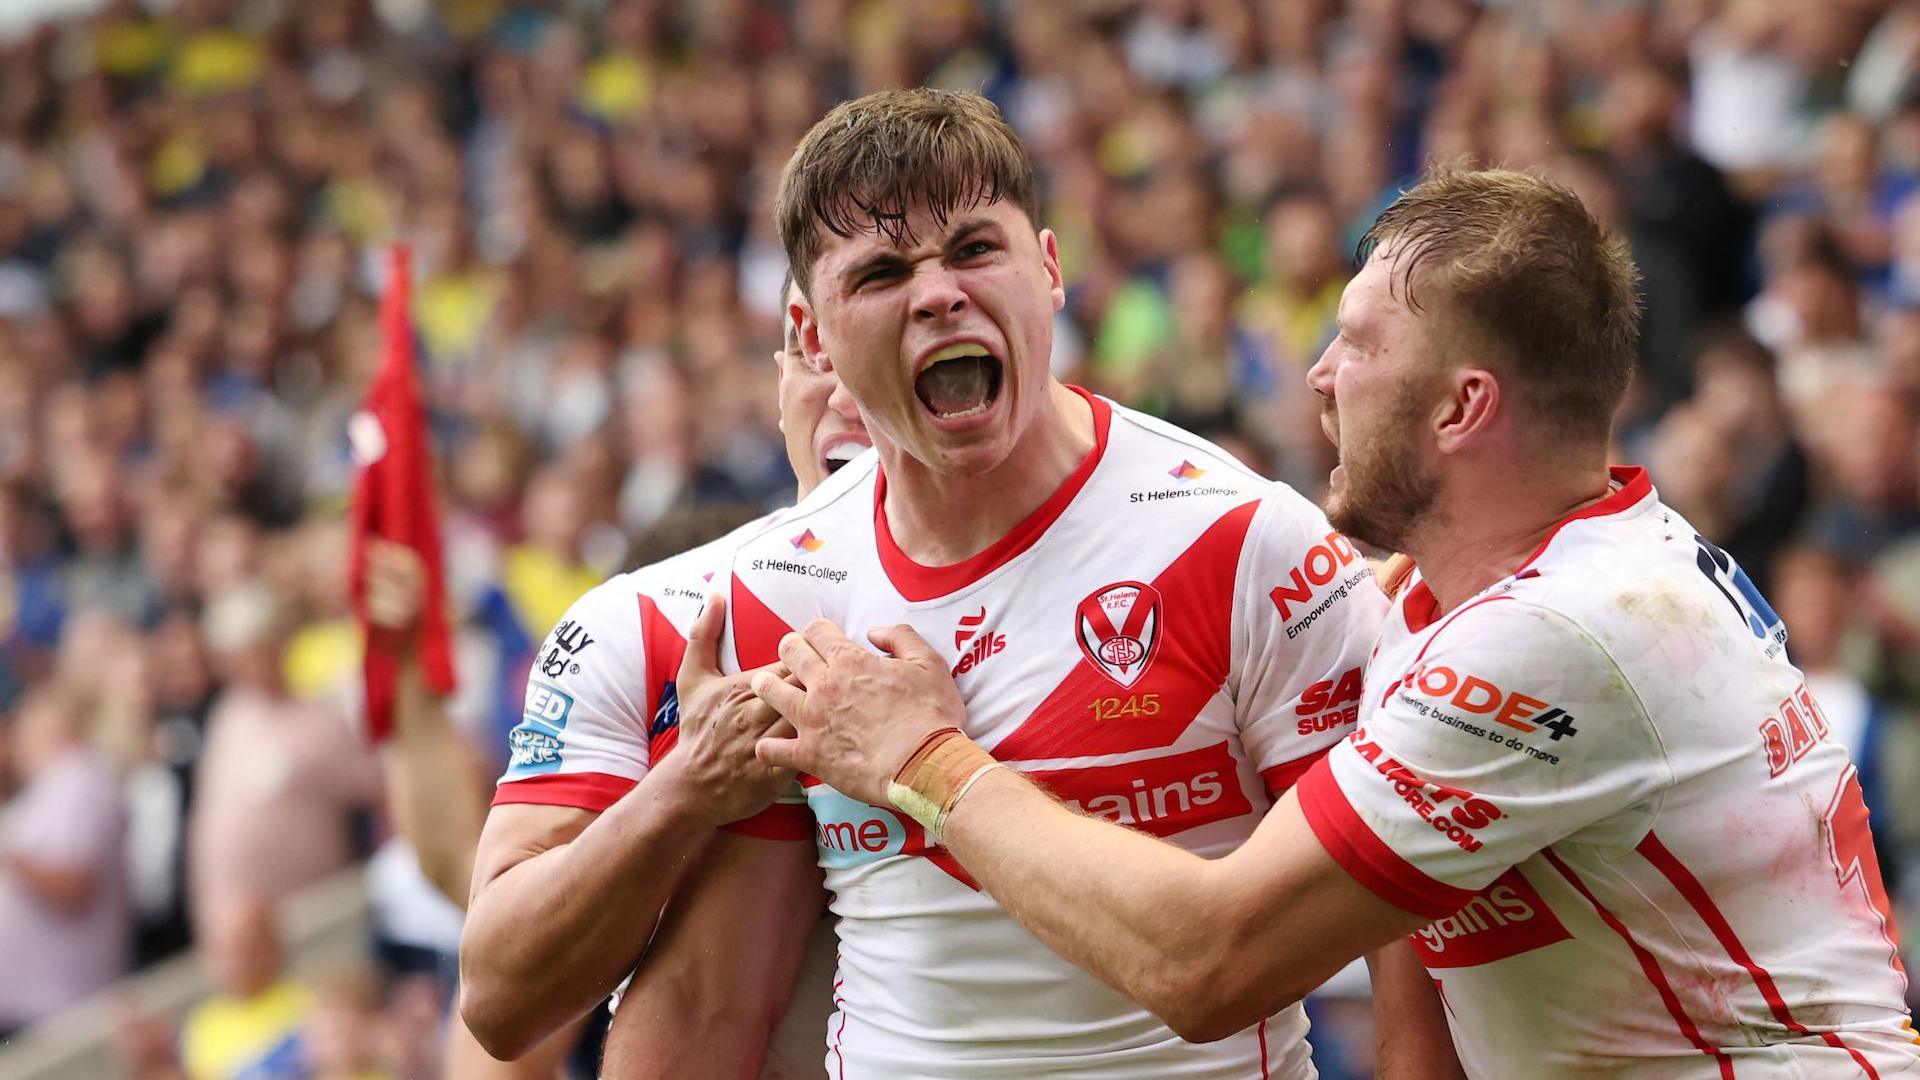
665 647
756 629
1195 600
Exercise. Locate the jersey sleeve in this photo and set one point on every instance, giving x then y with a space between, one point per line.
1306 613
1514 731
584 736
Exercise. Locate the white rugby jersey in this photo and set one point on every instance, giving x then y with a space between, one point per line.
600 705
1644 852
1166 643
601 708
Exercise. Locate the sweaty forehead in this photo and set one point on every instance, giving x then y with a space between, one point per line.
1368 298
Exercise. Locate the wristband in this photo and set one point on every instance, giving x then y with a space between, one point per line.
945 766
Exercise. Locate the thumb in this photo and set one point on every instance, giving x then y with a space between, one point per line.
902 642
702 658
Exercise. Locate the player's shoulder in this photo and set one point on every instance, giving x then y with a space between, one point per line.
1169 471
1162 455
675 586
1638 579
843 500
708 560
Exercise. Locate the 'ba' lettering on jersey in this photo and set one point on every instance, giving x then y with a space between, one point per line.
1167 643
1644 853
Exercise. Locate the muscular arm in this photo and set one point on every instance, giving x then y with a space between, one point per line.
719 975
563 904
1210 946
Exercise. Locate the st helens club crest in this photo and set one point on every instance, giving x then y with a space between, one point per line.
1119 629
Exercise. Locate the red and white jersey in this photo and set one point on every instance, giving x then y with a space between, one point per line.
1644 852
601 705
601 709
1166 643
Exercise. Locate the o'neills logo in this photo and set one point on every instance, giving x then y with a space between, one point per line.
1506 919
1119 629
985 643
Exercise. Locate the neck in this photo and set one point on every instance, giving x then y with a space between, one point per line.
1466 544
939 519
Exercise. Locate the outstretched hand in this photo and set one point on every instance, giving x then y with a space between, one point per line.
396 591
720 721
856 715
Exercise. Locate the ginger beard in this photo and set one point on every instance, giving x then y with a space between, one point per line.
1381 492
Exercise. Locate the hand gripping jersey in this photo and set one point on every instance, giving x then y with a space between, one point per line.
1644 853
1166 643
601 705
601 708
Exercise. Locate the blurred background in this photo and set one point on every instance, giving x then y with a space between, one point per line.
195 194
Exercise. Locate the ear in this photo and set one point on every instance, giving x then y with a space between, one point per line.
1469 411
807 329
1050 257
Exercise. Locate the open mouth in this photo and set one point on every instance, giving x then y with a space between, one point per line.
958 382
835 457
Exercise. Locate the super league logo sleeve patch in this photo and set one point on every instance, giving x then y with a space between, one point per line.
535 744
1118 627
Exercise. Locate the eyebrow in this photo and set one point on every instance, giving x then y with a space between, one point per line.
892 259
879 260
967 227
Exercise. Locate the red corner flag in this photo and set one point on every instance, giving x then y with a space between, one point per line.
394 499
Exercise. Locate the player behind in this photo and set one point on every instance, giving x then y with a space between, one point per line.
1122 609
578 855
1586 779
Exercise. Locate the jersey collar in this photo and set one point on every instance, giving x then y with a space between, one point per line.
917 582
1630 485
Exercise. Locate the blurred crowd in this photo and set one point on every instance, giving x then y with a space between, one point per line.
195 195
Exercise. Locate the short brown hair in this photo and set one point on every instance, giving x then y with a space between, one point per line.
1528 273
870 161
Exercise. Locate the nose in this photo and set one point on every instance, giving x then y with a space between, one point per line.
937 295
1320 375
839 401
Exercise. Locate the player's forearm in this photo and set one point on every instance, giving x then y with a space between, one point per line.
555 933
433 792
721 971
1410 1021
1145 917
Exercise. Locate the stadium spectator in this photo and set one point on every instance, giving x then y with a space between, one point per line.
280 782
64 927
251 1025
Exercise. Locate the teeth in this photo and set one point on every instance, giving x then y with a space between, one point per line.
955 352
962 415
844 452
